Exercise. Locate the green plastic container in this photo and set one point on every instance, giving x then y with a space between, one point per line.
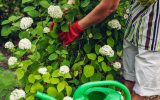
95 91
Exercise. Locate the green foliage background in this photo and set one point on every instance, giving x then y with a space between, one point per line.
82 56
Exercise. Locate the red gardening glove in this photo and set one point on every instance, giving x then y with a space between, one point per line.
69 37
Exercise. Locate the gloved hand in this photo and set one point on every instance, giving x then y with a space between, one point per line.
69 37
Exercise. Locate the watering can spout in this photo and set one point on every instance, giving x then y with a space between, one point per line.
44 96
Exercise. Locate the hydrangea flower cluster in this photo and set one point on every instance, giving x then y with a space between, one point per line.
25 44
42 70
17 94
114 24
26 22
64 69
67 98
107 51
55 11
9 45
117 65
12 61
46 30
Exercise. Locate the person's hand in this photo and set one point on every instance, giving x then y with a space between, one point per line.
69 37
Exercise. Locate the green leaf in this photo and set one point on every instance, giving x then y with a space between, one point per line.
37 77
85 3
67 75
110 41
55 73
24 64
36 87
53 56
64 27
105 68
66 62
61 86
28 8
6 30
20 73
27 88
44 4
26 1
2 57
35 57
30 97
68 90
52 91
14 18
97 36
109 77
109 33
31 78
24 34
92 56
100 58
88 71
54 80
97 47
96 77
87 48
33 13
5 22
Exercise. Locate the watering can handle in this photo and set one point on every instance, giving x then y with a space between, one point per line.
86 86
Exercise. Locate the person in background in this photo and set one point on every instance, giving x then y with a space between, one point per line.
141 59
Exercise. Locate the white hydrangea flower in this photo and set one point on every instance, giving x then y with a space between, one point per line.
25 44
67 98
107 51
17 94
114 24
126 16
64 69
117 65
42 70
46 30
127 11
9 45
55 11
12 61
71 2
26 22
90 35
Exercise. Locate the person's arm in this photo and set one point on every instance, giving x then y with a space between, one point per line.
99 13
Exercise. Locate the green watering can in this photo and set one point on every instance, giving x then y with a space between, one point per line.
95 91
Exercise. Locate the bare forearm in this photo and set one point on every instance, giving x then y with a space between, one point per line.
98 14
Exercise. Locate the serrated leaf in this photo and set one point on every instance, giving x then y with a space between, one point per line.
44 4
52 91
28 8
87 48
54 80
97 47
109 77
92 56
110 41
5 22
105 68
61 86
26 1
6 30
100 58
20 73
55 73
31 97
35 57
37 77
31 78
96 77
68 90
14 18
36 87
53 56
33 13
97 36
88 71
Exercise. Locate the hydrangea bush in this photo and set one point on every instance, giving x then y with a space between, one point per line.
40 60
